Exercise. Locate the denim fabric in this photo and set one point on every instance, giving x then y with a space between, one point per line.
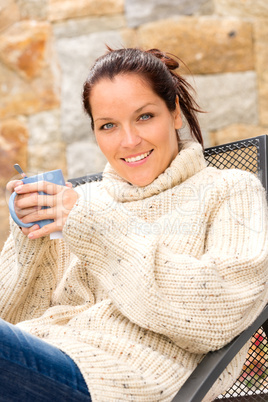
31 370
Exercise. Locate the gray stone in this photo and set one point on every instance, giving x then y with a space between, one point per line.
87 25
44 127
227 98
76 56
139 11
84 157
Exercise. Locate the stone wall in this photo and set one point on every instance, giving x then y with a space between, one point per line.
47 47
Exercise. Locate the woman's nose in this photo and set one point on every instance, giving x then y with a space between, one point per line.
130 138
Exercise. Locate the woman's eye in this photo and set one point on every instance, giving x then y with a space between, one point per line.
107 126
146 116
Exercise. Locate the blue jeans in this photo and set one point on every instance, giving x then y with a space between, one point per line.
31 370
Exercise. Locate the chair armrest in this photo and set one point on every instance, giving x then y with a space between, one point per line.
213 364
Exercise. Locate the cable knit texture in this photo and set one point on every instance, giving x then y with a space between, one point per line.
147 279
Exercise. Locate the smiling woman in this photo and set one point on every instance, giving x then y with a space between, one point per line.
139 139
161 262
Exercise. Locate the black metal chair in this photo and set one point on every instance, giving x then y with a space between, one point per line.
252 384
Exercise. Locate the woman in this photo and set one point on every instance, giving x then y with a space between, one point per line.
161 262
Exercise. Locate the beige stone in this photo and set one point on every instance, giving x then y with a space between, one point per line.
20 97
87 25
261 57
129 37
29 71
236 132
9 13
47 157
242 8
24 47
60 10
205 44
33 9
13 148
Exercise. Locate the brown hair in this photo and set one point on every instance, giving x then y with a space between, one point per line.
158 69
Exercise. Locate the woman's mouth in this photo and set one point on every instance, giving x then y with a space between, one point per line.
138 158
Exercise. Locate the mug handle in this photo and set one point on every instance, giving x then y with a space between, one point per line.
13 213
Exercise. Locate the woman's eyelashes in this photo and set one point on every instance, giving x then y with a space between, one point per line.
143 117
107 126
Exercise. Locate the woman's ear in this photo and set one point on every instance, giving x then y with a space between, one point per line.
177 115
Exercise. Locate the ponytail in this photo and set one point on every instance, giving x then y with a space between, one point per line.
188 105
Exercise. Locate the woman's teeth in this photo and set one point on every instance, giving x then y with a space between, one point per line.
138 158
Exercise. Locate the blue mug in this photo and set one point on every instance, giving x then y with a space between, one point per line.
54 176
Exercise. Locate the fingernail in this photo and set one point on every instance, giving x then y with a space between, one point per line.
18 189
30 235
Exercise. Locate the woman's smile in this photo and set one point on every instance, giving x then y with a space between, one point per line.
134 128
136 160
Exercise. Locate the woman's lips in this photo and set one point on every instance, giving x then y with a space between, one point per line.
138 159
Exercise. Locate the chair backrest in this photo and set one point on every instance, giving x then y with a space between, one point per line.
250 154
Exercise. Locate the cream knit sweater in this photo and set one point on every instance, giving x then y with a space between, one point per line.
147 280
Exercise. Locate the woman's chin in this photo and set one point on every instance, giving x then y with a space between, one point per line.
140 182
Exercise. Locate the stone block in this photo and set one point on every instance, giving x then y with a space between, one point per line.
242 8
46 157
206 44
87 25
229 98
261 58
76 56
44 127
139 11
33 9
24 47
20 97
236 132
13 148
9 14
29 71
60 10
84 157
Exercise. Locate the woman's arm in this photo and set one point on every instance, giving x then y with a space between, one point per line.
27 276
199 302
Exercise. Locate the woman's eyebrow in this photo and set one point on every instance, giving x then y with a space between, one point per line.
136 111
142 107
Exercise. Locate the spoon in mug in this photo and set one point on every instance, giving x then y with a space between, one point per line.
19 170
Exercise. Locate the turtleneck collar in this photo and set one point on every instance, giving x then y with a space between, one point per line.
189 161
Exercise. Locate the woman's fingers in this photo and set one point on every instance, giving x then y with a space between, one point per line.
55 204
65 200
30 200
38 215
44 186
27 231
21 213
12 184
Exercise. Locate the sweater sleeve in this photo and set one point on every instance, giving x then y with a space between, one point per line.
27 276
201 303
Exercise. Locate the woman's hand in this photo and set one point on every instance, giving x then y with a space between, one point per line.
29 202
21 213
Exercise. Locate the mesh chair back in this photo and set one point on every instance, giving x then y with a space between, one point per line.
250 155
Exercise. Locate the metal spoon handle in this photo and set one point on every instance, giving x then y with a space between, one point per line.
19 169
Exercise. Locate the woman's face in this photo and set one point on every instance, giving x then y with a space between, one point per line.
134 128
